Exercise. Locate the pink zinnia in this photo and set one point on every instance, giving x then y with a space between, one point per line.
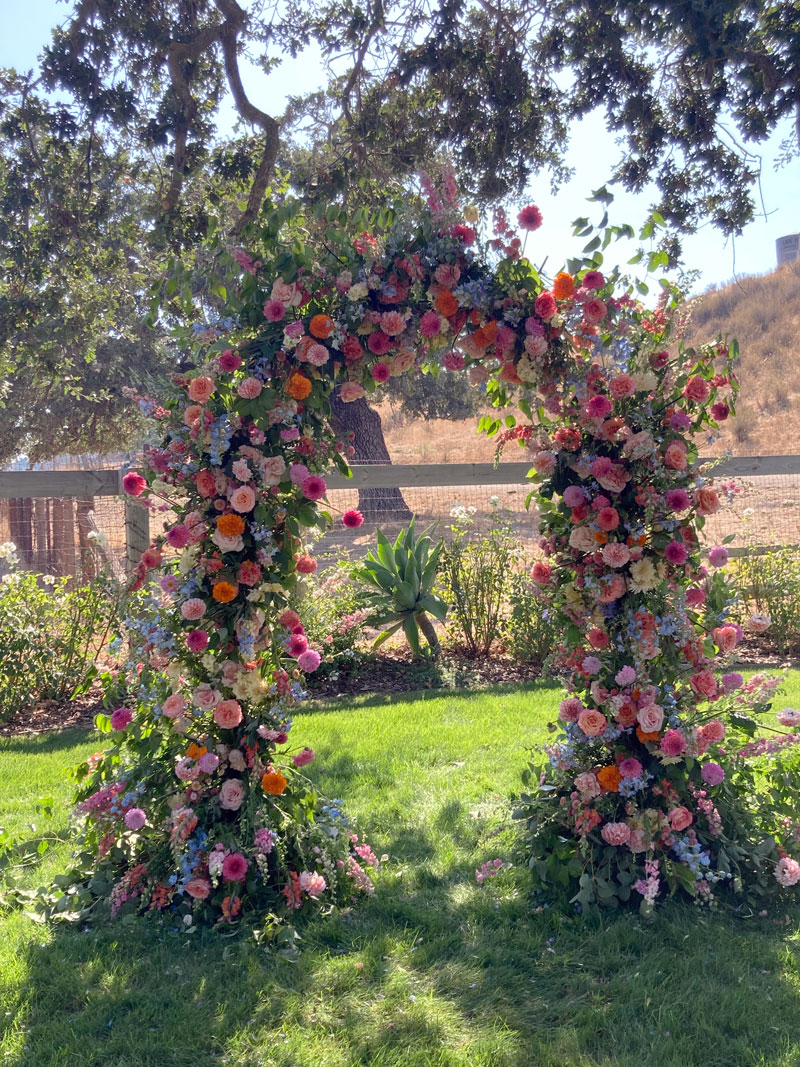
120 718
673 743
234 867
630 768
430 324
178 536
352 519
379 342
598 407
593 279
530 218
197 640
314 487
380 372
676 552
193 609
296 645
303 757
677 500
134 484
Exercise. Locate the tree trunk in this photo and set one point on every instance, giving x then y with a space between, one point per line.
429 631
358 418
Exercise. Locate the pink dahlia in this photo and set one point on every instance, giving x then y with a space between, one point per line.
309 660
120 718
530 218
352 519
314 487
234 867
197 641
135 818
134 484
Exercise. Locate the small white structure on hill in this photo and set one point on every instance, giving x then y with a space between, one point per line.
788 248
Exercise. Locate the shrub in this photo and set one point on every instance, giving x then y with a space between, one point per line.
770 583
528 627
50 634
333 607
474 576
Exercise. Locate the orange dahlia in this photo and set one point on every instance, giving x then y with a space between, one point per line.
298 387
609 778
563 286
195 751
321 326
230 525
224 592
446 304
647 735
274 783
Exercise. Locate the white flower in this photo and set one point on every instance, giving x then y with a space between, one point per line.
48 579
357 292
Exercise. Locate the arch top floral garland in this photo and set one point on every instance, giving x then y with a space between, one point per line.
200 804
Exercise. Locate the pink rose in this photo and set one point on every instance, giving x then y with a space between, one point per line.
615 554
243 499
588 785
611 590
651 718
231 795
675 456
697 389
206 483
787 871
228 714
198 888
120 718
249 389
616 833
174 706
673 743
592 722
541 573
594 310
201 389
249 573
714 731
607 519
621 386
598 407
725 638
680 818
545 306
272 469
614 479
704 683
350 391
206 697
695 598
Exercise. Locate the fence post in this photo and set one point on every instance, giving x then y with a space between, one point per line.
137 532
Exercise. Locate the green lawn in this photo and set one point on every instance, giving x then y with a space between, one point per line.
434 970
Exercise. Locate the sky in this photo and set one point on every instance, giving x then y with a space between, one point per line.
591 154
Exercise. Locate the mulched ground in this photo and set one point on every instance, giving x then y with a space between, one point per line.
390 672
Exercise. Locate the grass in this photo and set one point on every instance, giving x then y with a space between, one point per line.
434 970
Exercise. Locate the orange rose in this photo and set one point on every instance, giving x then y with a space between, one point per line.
609 778
298 387
321 326
230 525
224 592
446 304
274 783
563 286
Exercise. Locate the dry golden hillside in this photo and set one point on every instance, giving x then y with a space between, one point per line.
763 313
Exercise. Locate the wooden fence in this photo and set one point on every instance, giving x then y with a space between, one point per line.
60 488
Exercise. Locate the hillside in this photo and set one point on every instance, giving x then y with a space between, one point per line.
763 313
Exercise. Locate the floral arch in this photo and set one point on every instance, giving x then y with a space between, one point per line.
200 803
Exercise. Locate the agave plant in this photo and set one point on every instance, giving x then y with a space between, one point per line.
400 577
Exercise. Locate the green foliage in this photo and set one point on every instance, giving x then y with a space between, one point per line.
770 583
475 575
402 577
528 629
50 633
334 607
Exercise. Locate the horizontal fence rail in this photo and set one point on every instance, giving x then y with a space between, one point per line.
85 485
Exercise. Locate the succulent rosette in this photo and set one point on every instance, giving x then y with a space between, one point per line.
324 309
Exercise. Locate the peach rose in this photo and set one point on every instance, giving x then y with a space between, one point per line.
697 389
350 391
675 456
582 539
680 818
615 554
651 718
707 501
616 833
243 499
704 683
231 795
201 389
206 697
592 722
714 731
228 714
587 785
273 469
198 888
174 706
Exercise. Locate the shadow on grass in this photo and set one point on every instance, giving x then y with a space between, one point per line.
47 743
315 706
432 970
